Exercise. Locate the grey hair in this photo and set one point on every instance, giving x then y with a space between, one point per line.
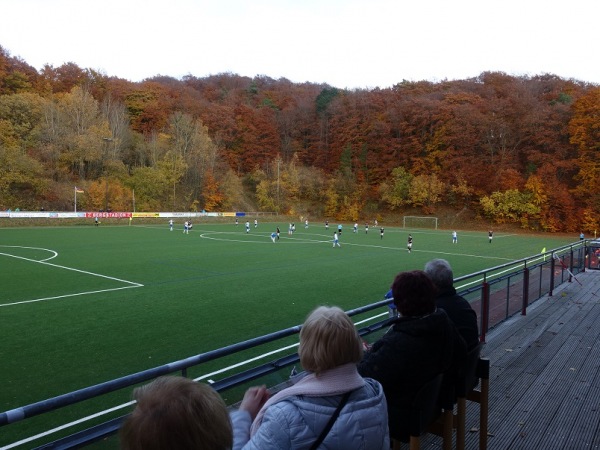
440 272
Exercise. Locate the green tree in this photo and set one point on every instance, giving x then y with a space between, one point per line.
510 206
173 168
24 113
397 192
426 191
264 196
21 181
151 186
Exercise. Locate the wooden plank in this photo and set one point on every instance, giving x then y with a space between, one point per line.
545 375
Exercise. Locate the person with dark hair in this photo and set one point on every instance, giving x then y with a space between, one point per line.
458 308
179 414
330 403
421 344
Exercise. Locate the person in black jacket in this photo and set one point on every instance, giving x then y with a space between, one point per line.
422 343
458 309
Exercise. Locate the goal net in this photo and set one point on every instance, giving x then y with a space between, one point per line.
420 222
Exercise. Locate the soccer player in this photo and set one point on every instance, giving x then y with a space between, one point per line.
236 221
327 224
306 223
340 229
381 231
409 243
273 236
355 227
185 228
247 227
96 221
278 233
490 236
367 228
454 237
255 223
336 241
171 225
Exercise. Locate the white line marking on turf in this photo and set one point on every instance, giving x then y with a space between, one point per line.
133 284
54 254
264 239
307 240
70 295
67 425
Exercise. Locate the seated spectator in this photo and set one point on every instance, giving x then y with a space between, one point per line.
177 413
421 344
458 309
299 416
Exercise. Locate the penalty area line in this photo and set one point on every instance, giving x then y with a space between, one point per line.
71 295
76 270
130 283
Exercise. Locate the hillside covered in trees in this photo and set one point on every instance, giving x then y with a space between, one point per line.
512 149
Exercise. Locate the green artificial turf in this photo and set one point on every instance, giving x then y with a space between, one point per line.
83 305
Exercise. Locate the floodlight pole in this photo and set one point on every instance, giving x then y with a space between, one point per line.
75 202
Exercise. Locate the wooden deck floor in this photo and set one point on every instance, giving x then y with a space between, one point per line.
545 374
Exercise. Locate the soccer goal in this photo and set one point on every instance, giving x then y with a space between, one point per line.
420 222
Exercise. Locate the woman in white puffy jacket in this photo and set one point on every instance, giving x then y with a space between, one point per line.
330 407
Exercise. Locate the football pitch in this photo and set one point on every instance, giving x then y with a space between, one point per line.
81 305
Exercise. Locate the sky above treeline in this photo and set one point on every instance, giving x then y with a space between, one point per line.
344 43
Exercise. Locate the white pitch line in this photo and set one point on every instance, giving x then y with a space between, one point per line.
66 425
70 295
131 283
54 254
306 240
75 270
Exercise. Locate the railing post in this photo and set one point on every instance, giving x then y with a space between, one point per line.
571 266
552 261
525 302
485 309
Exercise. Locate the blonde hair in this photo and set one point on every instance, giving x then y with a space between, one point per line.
177 413
328 339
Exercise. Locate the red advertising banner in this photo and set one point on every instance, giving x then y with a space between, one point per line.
105 215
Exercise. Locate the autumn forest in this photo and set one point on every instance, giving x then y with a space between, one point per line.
518 150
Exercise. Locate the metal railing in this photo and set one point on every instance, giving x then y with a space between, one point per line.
496 294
